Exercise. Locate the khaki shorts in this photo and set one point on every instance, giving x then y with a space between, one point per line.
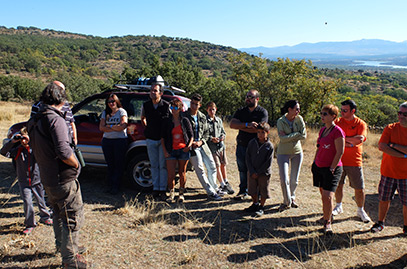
220 157
259 185
355 175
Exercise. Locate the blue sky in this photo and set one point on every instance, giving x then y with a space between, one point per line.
237 23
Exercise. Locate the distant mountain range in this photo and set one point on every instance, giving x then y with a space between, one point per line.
339 53
364 47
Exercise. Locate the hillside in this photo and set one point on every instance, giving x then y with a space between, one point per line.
35 52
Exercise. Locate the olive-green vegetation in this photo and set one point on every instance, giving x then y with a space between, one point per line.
31 57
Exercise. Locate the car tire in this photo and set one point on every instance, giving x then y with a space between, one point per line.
139 172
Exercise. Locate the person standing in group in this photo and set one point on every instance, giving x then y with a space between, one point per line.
177 138
66 110
113 124
393 144
291 130
201 154
327 166
246 120
153 112
259 157
29 181
216 144
59 170
355 130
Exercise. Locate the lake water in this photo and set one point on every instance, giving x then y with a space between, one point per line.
377 64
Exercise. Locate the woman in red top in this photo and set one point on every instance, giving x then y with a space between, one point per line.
177 138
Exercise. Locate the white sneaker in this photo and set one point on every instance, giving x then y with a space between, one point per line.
363 216
337 210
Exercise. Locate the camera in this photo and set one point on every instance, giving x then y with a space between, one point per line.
18 137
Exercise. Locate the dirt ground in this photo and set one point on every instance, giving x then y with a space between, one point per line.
132 231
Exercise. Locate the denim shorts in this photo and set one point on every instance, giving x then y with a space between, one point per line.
178 154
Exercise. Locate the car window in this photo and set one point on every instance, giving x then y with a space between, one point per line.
91 111
134 109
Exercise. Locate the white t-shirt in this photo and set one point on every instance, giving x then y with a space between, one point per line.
114 120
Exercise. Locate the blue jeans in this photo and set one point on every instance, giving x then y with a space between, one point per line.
241 165
27 194
157 161
114 151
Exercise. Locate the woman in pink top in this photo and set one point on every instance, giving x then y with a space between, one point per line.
327 166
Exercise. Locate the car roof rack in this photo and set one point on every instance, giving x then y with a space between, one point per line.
169 90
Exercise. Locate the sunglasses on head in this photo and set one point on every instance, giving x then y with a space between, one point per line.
402 113
174 107
324 114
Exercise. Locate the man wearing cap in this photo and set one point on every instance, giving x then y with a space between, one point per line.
356 131
393 144
152 114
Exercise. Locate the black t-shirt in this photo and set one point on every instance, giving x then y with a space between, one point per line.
154 117
244 114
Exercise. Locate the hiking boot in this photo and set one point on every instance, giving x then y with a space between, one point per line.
171 198
28 230
163 196
227 188
322 221
81 249
260 211
337 210
241 196
363 216
46 222
181 197
377 227
78 262
214 197
294 204
283 207
221 192
328 228
253 208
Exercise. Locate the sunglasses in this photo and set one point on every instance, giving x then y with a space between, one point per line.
111 101
344 110
174 107
250 96
402 113
324 114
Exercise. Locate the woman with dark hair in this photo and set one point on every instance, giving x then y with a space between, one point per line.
291 130
327 166
113 124
177 138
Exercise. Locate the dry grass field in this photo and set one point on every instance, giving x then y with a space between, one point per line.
132 231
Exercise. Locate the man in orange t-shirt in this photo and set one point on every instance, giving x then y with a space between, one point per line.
356 131
393 144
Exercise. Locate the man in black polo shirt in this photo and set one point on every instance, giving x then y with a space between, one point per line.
246 120
152 115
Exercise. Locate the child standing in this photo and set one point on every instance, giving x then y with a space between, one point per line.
217 146
259 156
28 176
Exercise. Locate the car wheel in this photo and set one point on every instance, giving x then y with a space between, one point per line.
139 172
